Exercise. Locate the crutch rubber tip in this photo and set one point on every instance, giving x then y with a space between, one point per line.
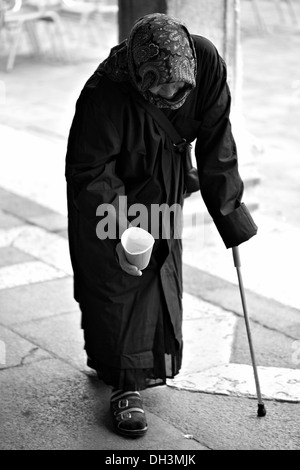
261 412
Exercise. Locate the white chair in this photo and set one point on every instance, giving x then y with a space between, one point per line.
87 15
279 6
290 8
19 18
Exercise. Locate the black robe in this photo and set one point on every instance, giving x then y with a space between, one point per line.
116 149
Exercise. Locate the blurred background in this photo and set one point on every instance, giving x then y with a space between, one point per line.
49 48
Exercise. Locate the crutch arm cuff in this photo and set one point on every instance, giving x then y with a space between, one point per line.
236 227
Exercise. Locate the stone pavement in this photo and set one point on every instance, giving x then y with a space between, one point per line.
49 398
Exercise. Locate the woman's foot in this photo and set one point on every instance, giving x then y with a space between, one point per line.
128 414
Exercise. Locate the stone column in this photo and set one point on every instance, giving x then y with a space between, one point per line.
217 20
132 10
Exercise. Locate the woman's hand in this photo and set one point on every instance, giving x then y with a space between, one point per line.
127 267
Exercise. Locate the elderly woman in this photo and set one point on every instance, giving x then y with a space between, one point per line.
132 320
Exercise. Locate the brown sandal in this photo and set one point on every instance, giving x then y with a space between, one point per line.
128 414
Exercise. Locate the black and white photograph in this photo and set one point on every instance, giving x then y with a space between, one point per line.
149 227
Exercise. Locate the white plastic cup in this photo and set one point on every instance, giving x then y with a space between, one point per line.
138 245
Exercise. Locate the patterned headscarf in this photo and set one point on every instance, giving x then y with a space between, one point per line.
159 50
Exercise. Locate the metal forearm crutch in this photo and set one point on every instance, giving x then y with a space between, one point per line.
237 263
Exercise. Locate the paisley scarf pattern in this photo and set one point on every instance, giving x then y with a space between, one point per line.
159 50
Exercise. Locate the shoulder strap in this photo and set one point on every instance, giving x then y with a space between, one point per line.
161 119
191 173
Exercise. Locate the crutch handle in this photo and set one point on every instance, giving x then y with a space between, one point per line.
236 257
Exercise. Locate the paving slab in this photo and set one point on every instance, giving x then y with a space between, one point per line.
59 408
18 351
61 335
39 243
227 423
271 347
35 301
8 220
208 337
18 205
63 233
25 209
238 380
263 310
52 222
208 334
46 185
27 273
268 254
10 255
46 246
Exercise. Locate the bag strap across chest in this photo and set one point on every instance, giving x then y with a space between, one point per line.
180 144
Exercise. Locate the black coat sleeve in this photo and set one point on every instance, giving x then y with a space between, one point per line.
216 153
